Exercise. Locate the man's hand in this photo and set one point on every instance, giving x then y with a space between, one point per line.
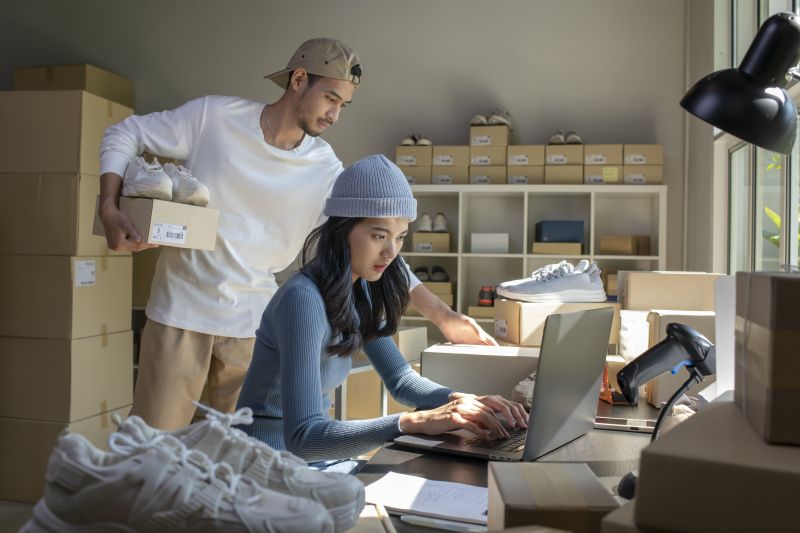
120 233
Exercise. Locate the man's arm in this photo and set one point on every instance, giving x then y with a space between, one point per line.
457 328
120 233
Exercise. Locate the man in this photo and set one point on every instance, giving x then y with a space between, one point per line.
268 174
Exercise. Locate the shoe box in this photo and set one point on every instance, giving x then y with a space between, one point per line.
624 245
451 156
488 243
741 483
487 155
522 323
559 231
602 154
767 388
563 174
564 154
54 131
419 156
428 241
84 376
562 495
26 445
602 174
489 135
417 175
643 154
449 175
63 297
610 281
440 287
169 223
688 291
557 248
363 395
487 175
525 174
642 174
75 77
480 311
525 155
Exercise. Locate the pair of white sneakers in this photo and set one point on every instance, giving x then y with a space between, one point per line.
170 182
207 477
437 224
558 282
497 117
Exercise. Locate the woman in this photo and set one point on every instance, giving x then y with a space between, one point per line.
350 295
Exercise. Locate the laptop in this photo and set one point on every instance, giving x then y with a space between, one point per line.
568 378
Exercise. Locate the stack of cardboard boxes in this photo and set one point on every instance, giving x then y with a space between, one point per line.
488 148
65 322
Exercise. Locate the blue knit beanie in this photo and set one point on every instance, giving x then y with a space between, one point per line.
372 187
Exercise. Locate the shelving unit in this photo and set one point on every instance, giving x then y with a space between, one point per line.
515 209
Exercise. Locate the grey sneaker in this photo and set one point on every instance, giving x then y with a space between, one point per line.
146 180
159 486
559 282
341 494
186 189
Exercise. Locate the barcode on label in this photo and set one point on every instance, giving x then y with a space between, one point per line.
173 235
407 160
443 179
518 180
168 233
635 179
500 328
481 180
557 159
595 159
636 159
518 159
423 247
594 179
481 160
481 139
443 160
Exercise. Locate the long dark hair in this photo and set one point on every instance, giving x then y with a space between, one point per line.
358 315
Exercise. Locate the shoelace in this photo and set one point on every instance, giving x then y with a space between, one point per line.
555 270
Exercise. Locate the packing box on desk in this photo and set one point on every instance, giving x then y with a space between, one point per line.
624 245
440 287
692 291
27 444
488 243
75 77
523 322
489 135
54 131
417 175
421 156
563 175
487 175
767 373
61 297
563 495
602 174
557 248
602 154
50 214
487 155
65 380
559 231
453 156
643 154
643 174
444 175
746 484
525 175
170 223
525 155
426 241
564 154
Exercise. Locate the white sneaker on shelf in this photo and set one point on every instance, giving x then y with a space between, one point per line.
573 137
159 486
500 116
559 282
479 120
186 189
146 180
439 223
424 223
557 137
408 140
422 140
341 494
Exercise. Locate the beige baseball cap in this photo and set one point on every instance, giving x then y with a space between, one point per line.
322 56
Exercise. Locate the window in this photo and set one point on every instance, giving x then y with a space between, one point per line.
739 207
770 188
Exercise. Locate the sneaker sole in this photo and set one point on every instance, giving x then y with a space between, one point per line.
44 521
563 296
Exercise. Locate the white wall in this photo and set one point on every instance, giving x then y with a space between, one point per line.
612 69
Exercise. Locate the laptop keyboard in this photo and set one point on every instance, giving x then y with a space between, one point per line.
516 440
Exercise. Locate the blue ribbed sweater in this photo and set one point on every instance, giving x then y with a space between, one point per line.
291 379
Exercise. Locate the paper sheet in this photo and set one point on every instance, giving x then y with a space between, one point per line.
440 499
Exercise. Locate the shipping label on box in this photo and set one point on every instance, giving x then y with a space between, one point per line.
602 154
563 175
455 156
414 155
487 155
425 241
75 77
489 135
447 175
642 174
487 175
602 174
564 154
525 175
525 154
693 291
416 175
643 154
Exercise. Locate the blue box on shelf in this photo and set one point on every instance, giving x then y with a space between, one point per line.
559 231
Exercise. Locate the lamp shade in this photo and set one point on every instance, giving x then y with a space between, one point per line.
750 102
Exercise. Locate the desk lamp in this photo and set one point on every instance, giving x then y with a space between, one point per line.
683 347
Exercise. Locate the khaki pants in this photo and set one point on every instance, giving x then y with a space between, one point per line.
173 367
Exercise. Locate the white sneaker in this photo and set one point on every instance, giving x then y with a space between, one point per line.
557 137
500 116
439 223
424 223
185 187
341 494
159 486
146 180
408 140
573 137
422 140
479 120
559 282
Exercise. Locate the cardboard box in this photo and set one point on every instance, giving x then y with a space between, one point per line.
452 156
525 155
489 243
410 341
562 495
624 245
169 223
643 154
525 175
621 520
417 175
611 285
690 291
559 231
602 154
480 311
26 446
421 156
523 322
602 174
563 175
489 135
50 214
487 175
54 131
748 485
643 174
440 287
426 241
75 77
84 376
487 155
443 175
557 248
564 154
363 395
767 375
59 297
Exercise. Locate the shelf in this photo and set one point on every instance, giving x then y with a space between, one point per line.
544 189
495 256
428 254
625 257
555 256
